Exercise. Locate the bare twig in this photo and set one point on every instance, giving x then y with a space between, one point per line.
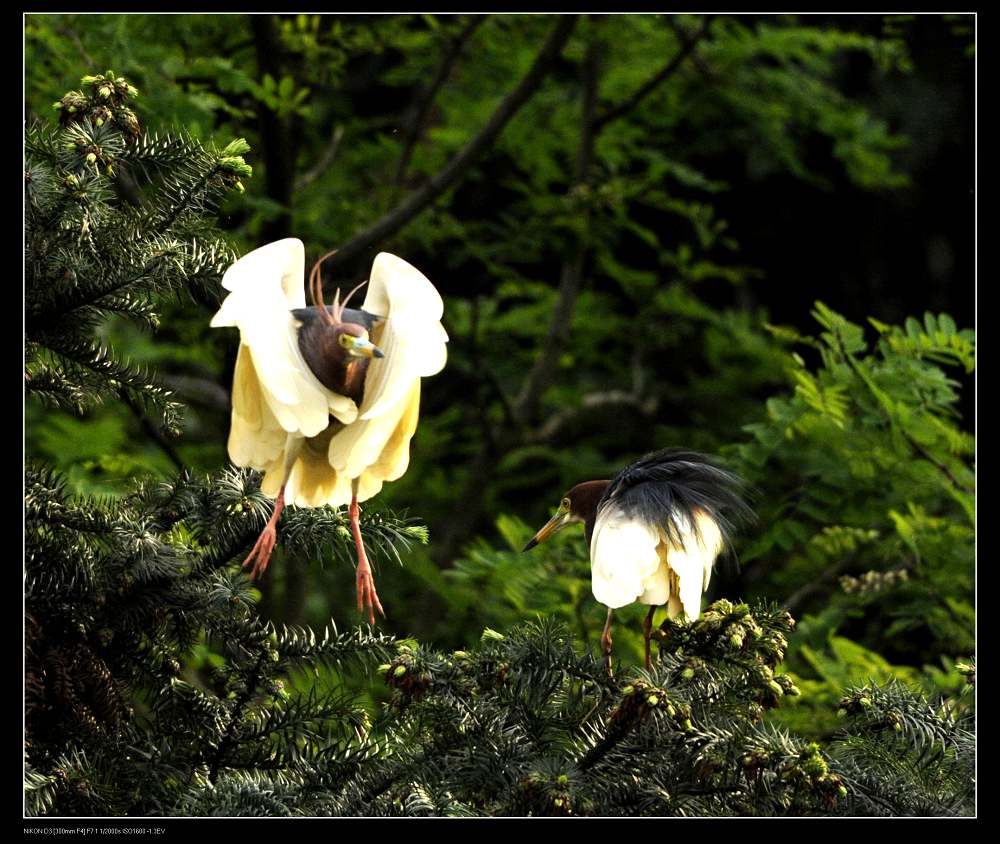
415 129
329 154
646 406
453 170
512 434
279 143
88 60
657 79
817 585
706 71
572 272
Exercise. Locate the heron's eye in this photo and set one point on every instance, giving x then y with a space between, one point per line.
566 504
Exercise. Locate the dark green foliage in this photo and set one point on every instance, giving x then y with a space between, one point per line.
113 223
609 263
867 489
150 675
901 753
523 724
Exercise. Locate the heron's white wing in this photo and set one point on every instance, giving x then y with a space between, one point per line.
360 446
411 336
623 557
266 285
692 561
412 340
256 438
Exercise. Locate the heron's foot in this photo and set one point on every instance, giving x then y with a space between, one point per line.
367 596
260 555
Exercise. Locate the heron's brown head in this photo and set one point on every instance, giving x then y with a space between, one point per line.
353 340
578 504
348 340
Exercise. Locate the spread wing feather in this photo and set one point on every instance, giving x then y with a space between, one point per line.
266 285
281 412
411 337
412 341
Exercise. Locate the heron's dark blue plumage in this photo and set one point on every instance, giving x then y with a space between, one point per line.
669 486
307 316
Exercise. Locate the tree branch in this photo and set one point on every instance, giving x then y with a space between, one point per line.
572 272
277 140
593 401
329 154
657 79
450 173
709 74
416 126
511 435
818 584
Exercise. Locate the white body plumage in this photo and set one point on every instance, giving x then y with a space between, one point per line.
632 561
285 422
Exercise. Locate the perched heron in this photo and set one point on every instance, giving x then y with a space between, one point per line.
655 531
326 399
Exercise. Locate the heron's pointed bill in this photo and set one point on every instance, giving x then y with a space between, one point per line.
562 518
359 347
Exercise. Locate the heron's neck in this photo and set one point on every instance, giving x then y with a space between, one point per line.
585 498
329 363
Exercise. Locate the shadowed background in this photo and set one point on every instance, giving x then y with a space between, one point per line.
613 209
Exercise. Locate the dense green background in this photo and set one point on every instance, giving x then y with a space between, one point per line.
785 160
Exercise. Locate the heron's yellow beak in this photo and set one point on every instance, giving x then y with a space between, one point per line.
362 348
562 518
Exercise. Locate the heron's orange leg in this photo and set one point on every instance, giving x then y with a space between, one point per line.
367 596
261 552
647 631
606 642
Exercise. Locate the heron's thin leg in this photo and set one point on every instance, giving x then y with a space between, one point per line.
647 631
367 596
260 554
606 642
